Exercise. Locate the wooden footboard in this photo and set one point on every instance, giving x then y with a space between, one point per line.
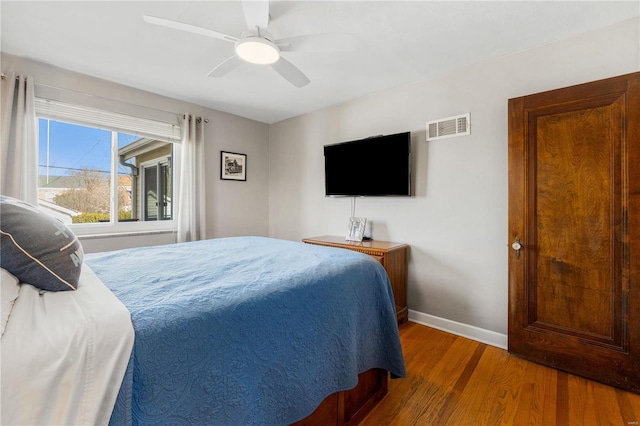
350 407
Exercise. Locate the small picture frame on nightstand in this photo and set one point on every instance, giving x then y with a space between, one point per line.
355 230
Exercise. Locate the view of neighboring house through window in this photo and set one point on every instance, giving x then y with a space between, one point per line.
150 163
91 175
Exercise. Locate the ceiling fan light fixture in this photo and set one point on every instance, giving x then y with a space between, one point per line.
257 50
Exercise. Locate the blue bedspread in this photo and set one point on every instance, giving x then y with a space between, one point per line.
247 330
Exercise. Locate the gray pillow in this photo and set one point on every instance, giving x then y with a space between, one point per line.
37 248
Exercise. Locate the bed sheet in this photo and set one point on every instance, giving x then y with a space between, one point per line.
64 355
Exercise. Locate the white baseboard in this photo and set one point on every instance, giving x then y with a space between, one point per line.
469 331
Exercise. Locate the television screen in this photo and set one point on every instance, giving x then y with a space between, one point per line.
376 166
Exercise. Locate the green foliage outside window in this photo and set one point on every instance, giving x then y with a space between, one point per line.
100 217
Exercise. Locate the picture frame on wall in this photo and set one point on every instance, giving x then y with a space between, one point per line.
355 231
233 166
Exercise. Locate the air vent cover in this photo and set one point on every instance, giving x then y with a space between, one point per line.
449 127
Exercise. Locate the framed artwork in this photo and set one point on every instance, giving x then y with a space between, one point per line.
233 166
355 231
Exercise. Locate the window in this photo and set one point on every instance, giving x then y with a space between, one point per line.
92 171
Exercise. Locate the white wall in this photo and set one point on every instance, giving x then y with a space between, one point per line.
232 208
456 223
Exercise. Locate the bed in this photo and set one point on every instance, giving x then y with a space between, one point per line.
233 331
247 330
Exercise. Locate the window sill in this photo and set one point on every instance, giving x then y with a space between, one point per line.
125 234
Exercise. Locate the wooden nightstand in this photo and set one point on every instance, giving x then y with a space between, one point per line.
392 256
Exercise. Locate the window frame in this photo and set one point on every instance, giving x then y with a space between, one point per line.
163 131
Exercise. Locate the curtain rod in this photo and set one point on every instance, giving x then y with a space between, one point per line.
198 119
3 76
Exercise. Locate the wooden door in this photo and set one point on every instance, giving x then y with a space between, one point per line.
574 205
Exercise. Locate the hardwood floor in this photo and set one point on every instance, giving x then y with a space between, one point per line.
456 381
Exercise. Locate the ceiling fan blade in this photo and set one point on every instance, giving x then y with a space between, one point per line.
256 14
188 28
290 72
328 42
226 66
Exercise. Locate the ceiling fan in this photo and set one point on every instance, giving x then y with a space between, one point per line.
256 45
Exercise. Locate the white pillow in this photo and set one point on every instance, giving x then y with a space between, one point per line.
9 290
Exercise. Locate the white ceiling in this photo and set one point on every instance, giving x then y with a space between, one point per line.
398 43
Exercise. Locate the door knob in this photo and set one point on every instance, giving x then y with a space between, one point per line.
517 246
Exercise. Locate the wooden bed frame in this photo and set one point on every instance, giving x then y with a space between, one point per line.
350 407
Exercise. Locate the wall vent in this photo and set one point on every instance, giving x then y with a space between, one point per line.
449 127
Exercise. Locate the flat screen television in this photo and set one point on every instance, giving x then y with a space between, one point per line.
376 166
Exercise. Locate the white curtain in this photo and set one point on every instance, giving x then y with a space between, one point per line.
19 144
191 202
